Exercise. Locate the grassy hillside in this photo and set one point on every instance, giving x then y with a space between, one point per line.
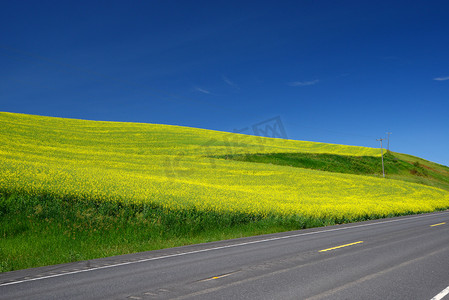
75 189
397 166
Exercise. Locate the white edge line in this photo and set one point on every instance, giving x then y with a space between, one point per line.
222 247
441 294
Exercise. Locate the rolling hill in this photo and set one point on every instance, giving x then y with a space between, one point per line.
75 189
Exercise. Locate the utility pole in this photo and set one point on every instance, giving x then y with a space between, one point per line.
388 141
382 155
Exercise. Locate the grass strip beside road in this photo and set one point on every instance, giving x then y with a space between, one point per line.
42 230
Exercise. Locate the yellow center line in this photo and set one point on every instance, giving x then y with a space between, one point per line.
341 246
438 224
218 277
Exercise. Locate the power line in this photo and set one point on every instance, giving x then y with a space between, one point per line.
388 141
382 155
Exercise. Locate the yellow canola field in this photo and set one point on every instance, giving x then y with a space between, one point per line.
170 166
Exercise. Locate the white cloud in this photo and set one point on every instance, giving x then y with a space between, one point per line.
203 91
441 78
303 83
230 83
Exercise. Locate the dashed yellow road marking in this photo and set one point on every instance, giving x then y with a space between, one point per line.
218 277
341 246
438 224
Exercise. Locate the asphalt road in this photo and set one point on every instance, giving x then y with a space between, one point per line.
397 258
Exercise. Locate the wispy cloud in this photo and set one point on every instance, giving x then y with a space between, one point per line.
202 90
441 78
230 83
303 83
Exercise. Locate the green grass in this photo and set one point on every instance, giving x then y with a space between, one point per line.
397 166
43 230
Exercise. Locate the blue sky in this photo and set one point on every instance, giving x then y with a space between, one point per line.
333 71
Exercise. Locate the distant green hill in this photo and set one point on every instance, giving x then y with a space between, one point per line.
75 189
397 165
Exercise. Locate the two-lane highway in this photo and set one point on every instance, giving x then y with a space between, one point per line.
397 258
